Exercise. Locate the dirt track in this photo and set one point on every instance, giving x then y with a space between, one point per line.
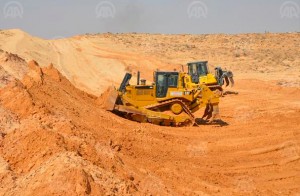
56 139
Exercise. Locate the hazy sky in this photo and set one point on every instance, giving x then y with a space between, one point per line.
63 18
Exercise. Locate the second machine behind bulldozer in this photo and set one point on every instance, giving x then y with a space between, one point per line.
167 101
200 74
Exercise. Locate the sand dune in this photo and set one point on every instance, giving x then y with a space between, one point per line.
91 62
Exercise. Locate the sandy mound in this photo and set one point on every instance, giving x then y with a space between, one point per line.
42 142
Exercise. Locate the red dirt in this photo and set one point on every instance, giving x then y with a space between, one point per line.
57 140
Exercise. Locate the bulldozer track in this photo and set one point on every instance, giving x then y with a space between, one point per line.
147 114
172 101
165 103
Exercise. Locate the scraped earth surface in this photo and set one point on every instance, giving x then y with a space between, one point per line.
55 138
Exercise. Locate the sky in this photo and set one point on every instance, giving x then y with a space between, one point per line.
64 18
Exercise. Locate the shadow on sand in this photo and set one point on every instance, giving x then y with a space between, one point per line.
219 122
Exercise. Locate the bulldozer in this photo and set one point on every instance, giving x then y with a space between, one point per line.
168 101
200 74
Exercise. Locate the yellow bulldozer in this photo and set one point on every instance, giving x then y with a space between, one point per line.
200 74
168 101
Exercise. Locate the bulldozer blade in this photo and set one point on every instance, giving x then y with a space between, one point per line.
227 81
208 112
215 114
110 99
127 109
231 81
